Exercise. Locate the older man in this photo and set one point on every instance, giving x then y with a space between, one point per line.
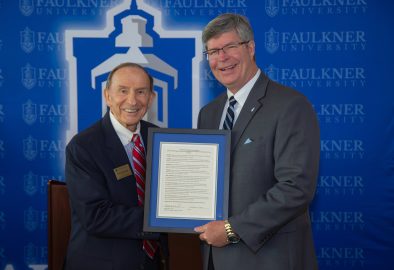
105 170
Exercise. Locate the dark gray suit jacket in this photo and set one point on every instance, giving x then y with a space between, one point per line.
275 152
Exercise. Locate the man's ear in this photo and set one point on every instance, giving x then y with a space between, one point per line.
151 98
106 96
252 48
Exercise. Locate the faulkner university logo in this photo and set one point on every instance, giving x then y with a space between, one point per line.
30 148
29 79
29 114
134 33
271 41
30 183
26 7
272 7
31 219
27 40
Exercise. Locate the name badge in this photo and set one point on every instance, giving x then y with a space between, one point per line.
122 171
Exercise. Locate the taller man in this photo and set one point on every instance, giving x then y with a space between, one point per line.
274 159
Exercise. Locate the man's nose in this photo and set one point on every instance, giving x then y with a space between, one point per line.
222 54
131 98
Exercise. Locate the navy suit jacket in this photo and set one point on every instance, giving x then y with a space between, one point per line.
106 231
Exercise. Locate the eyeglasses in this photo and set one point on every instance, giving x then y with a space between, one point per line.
228 49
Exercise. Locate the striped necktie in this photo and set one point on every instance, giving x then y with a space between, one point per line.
139 164
229 120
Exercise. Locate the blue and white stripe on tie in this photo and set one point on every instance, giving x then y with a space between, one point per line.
229 120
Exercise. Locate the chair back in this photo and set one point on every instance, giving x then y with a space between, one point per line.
59 224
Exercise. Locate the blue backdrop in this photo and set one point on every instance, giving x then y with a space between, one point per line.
55 56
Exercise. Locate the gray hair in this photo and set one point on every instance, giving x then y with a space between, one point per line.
228 22
129 64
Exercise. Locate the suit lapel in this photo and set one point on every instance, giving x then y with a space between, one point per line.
144 135
252 105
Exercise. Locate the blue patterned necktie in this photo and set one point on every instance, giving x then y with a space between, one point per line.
229 120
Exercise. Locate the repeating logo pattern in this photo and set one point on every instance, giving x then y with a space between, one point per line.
341 113
30 181
31 219
346 257
320 78
342 149
30 148
26 7
43 149
340 185
41 41
28 76
27 38
201 8
52 114
57 58
338 220
35 219
315 41
65 8
35 255
43 77
29 112
36 184
274 8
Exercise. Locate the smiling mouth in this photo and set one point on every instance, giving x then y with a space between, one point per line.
228 68
130 110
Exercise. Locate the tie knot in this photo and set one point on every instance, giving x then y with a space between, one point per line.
136 138
137 141
232 101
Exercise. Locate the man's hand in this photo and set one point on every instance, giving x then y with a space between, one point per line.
213 233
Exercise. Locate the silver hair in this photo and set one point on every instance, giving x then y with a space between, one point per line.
228 22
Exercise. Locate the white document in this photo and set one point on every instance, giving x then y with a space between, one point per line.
187 180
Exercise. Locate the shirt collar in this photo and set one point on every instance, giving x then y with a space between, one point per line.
243 93
123 133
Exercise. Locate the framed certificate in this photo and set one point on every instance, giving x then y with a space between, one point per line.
187 178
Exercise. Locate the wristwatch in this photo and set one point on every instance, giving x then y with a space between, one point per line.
232 237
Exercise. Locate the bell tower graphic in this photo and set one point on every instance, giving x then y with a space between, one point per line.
134 33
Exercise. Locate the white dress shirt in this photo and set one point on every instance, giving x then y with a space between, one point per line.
125 136
240 97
